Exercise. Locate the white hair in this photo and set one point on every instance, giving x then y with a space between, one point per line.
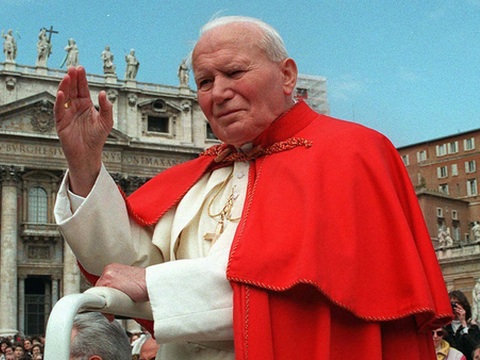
271 41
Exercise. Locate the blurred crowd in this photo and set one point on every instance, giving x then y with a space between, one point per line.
142 347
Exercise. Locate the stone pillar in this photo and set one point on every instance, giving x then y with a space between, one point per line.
112 96
10 177
71 272
131 127
21 303
54 291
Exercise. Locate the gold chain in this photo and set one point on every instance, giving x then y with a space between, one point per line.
224 214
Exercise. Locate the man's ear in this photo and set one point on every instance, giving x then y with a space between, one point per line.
290 72
95 357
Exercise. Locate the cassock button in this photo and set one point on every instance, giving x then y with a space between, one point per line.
240 175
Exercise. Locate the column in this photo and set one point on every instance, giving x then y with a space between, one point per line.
10 177
54 292
21 302
71 272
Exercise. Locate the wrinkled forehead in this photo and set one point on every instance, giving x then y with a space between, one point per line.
234 35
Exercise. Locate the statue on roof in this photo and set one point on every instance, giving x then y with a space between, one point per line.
71 58
44 48
132 66
183 73
9 46
107 57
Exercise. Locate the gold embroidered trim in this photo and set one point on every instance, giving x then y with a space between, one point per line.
435 317
225 153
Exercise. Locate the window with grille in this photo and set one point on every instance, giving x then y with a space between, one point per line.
158 124
37 205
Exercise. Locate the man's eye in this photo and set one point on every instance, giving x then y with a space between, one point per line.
235 73
204 84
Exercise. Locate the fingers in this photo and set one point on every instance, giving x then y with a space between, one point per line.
82 83
105 107
59 108
128 279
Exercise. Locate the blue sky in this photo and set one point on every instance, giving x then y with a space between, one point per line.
410 69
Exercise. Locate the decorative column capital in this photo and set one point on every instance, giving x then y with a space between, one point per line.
129 183
10 174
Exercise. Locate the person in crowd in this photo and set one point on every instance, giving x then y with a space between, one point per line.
461 333
134 337
95 337
149 349
37 352
19 351
248 242
37 340
476 353
443 348
144 348
9 350
27 346
4 343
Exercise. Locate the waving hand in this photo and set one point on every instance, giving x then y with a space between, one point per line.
81 128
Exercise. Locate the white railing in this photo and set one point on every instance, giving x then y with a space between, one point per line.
102 299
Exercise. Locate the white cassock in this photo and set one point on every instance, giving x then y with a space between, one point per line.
186 275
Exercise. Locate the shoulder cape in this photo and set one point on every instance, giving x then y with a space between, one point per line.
341 216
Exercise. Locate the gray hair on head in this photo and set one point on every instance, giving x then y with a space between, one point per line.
95 335
271 41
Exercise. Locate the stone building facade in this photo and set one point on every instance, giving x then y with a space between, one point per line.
446 174
155 127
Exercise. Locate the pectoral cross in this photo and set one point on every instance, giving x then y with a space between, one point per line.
218 231
225 214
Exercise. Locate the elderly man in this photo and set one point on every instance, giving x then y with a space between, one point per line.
244 252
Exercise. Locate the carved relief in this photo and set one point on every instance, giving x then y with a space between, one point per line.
39 253
112 95
42 117
186 106
132 99
11 81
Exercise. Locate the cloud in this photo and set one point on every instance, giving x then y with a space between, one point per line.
346 87
408 75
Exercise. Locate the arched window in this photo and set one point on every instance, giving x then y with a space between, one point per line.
37 205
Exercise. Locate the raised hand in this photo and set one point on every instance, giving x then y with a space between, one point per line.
81 128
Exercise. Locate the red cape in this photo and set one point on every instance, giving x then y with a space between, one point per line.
331 254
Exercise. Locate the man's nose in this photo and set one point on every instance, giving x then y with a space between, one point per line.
222 90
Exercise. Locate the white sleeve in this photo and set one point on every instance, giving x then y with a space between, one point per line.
100 232
192 299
